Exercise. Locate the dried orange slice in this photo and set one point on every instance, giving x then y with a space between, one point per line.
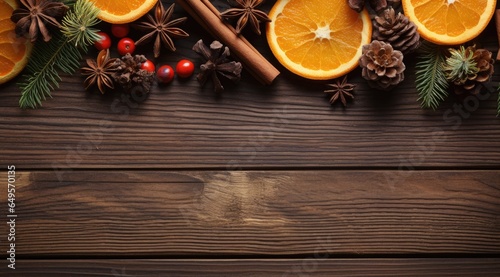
317 39
120 11
14 51
449 22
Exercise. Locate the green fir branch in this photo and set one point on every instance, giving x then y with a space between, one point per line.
498 101
42 76
69 3
431 82
62 53
78 28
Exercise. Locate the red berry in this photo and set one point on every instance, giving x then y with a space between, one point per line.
148 65
184 68
120 30
104 41
126 45
165 74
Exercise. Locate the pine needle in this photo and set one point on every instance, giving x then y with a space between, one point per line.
431 82
77 24
42 76
498 106
62 53
69 3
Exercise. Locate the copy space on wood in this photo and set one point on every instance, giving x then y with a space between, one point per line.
256 212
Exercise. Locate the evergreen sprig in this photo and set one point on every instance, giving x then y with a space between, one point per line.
77 28
498 101
69 3
42 71
62 53
431 82
461 65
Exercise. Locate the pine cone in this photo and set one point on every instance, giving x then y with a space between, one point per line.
484 63
397 30
130 75
382 66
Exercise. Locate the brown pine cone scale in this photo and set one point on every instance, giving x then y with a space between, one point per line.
397 30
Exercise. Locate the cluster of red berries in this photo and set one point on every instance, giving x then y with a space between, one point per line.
165 73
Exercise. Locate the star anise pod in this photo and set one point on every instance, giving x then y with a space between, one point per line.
34 17
247 11
99 71
161 27
342 90
216 63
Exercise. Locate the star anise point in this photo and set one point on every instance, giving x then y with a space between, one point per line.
34 16
246 11
162 28
99 71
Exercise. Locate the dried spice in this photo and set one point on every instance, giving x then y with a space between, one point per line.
341 90
35 16
216 63
382 66
161 28
131 77
246 11
100 71
397 30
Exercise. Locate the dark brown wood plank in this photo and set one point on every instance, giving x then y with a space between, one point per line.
245 213
289 124
282 267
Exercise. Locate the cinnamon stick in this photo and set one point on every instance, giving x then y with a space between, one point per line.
209 18
497 24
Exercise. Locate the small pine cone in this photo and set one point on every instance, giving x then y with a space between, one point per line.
382 66
397 30
484 63
460 66
130 75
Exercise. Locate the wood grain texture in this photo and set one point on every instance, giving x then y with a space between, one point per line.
125 213
289 124
483 267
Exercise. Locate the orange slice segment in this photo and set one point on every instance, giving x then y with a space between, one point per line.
449 22
317 39
120 11
14 51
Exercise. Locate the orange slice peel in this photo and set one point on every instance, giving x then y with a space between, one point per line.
14 51
121 12
317 39
449 22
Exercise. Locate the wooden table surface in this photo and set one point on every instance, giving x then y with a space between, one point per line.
258 181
